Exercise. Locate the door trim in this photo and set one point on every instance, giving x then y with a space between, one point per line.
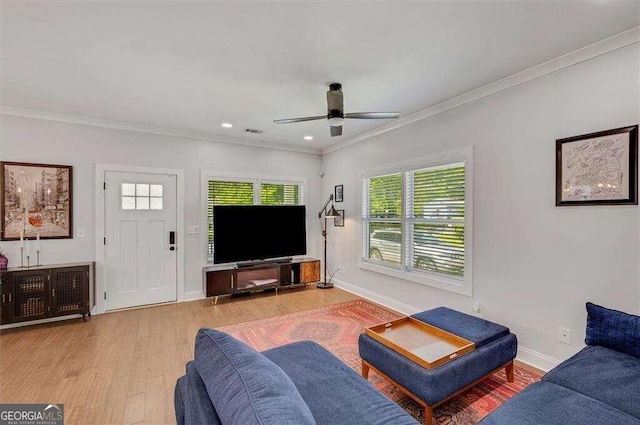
100 223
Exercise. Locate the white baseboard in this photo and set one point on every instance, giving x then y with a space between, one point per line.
536 359
525 355
193 295
377 298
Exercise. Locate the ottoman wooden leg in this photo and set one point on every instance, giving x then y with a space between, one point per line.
365 370
509 370
428 415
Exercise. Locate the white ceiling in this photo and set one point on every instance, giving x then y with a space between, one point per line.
191 66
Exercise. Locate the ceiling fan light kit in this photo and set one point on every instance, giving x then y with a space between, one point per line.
335 112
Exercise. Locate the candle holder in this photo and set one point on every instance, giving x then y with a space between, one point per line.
28 257
37 258
22 257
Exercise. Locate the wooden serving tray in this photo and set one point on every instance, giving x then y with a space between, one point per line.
420 342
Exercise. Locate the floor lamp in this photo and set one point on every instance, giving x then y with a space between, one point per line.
331 213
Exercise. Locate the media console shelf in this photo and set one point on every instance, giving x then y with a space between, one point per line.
230 280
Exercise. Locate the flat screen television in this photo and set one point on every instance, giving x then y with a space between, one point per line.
247 233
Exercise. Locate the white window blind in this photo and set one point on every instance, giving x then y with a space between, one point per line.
435 199
279 194
382 216
221 192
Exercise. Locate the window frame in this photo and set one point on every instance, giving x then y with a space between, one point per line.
256 179
462 285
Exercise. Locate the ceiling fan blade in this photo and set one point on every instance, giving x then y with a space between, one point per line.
290 120
336 131
372 115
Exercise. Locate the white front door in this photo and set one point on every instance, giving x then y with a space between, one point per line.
140 242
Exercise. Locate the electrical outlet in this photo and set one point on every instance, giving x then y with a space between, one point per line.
477 307
341 269
193 230
81 233
564 335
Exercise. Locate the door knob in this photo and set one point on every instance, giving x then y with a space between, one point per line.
172 248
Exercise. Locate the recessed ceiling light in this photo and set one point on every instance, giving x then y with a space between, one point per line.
227 125
308 137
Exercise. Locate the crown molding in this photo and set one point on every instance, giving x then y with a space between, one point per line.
118 125
594 50
591 51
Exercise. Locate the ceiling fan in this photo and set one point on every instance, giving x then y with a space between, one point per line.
335 112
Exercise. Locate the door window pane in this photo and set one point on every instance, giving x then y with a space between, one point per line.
141 196
142 203
128 203
155 203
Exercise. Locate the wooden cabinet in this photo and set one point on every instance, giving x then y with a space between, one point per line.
31 295
232 280
220 282
6 308
310 272
42 293
69 291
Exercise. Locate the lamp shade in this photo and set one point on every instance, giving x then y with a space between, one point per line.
332 213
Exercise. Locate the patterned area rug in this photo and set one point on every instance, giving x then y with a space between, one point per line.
337 327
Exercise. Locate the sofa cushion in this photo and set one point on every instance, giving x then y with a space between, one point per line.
604 374
477 330
193 406
550 404
613 329
332 390
244 386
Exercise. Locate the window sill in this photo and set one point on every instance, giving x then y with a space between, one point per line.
462 287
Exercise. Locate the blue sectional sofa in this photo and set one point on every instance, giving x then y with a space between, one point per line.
229 383
600 385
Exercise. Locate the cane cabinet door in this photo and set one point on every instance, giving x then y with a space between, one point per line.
69 290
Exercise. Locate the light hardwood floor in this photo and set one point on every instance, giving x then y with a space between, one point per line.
121 367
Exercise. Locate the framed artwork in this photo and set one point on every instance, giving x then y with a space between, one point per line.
598 168
36 200
338 196
339 221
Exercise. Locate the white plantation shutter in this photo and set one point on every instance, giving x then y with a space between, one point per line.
435 200
280 194
222 192
382 215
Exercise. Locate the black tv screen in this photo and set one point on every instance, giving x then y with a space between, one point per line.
244 233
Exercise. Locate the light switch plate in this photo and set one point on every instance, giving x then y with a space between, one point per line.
81 233
193 230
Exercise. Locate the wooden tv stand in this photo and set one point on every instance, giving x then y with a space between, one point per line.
230 279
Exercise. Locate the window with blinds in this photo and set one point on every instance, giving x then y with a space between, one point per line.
435 219
414 220
229 192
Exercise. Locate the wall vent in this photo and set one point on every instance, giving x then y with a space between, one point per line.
253 131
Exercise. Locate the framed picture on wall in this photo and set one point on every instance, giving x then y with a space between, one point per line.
598 168
339 195
339 221
36 200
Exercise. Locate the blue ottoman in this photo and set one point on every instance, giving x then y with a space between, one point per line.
496 348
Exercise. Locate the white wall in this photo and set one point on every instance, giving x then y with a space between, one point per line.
41 141
535 264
